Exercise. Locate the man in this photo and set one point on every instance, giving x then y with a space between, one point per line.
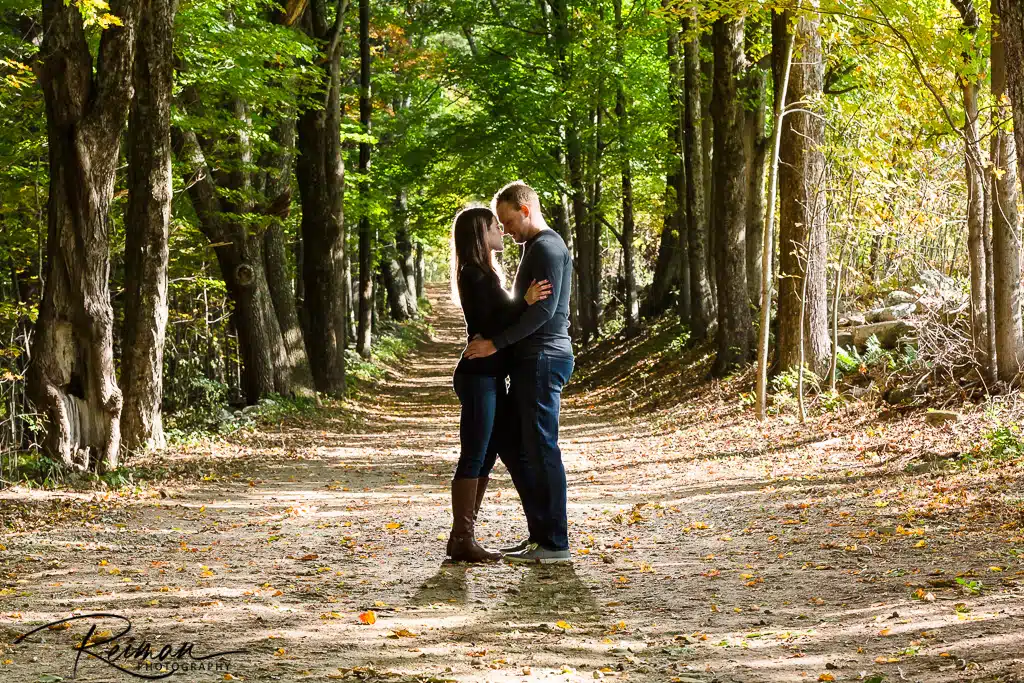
543 364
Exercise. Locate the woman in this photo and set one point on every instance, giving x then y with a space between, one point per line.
480 382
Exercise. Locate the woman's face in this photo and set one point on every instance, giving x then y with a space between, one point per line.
493 236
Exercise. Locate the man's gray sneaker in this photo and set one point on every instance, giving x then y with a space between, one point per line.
534 554
517 548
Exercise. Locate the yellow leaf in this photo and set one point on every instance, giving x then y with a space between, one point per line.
826 677
995 569
392 525
380 603
368 617
403 633
563 625
921 544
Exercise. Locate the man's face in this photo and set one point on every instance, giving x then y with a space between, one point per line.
513 220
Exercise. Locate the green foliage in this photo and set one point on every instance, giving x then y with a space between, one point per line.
848 361
387 350
788 382
678 345
1002 443
1005 442
970 586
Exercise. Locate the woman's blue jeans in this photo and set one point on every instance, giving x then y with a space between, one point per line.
484 408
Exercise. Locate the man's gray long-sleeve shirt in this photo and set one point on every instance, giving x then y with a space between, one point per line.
544 327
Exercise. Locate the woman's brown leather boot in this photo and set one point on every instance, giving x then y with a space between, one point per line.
462 546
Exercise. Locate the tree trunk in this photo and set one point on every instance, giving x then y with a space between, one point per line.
242 264
707 129
147 228
279 281
394 286
702 308
364 330
735 332
586 299
560 222
71 379
296 375
756 147
975 173
420 271
802 202
406 258
584 237
596 214
1005 222
671 249
628 227
1012 26
320 172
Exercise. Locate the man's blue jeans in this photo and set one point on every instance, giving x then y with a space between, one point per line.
538 472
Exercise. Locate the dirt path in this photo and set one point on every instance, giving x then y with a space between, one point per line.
696 559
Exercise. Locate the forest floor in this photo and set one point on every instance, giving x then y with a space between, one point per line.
707 547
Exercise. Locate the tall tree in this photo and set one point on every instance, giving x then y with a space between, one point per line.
735 331
275 183
974 166
220 201
321 179
702 308
671 252
1006 267
588 299
802 203
364 330
1011 22
71 378
628 222
756 147
147 228
406 254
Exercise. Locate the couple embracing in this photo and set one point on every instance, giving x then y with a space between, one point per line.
522 336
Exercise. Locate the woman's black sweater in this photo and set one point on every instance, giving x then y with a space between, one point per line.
488 310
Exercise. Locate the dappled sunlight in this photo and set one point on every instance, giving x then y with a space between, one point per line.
704 548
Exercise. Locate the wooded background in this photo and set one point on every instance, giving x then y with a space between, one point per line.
208 202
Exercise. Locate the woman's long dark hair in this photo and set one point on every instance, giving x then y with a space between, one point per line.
469 245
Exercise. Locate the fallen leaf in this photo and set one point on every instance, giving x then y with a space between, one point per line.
368 617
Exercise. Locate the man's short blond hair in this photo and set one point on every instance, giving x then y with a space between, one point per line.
516 193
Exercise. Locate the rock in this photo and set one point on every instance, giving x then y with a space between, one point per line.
936 283
898 297
898 395
852 319
897 312
889 333
890 313
845 339
937 417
